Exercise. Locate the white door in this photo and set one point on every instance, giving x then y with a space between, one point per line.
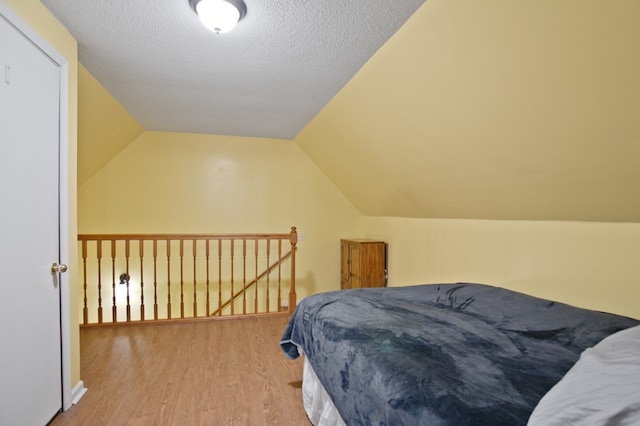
30 364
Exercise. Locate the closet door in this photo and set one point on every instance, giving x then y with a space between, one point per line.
30 371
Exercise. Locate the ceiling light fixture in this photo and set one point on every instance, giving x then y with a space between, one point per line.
219 16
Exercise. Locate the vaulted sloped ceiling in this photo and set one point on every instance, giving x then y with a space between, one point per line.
493 109
104 127
267 78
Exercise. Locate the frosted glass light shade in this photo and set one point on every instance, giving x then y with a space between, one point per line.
219 16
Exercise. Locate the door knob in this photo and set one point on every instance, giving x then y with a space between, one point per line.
58 269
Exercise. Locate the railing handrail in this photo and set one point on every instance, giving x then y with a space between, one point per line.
180 236
252 282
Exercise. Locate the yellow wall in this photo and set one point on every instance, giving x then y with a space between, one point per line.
591 265
104 126
493 109
175 182
41 20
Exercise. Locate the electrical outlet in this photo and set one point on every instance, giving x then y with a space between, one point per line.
300 236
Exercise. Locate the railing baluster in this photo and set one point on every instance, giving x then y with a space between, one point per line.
244 276
141 251
293 239
195 294
168 279
126 272
268 276
99 256
114 306
255 300
207 267
220 277
181 279
232 275
85 309
279 275
155 279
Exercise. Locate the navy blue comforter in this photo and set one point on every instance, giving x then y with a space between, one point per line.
441 354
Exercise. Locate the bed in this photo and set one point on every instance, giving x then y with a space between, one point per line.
439 354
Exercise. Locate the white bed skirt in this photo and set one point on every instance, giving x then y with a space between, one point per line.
317 403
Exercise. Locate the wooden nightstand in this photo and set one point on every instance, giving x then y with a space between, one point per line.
363 263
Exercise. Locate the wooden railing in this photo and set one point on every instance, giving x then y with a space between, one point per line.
152 277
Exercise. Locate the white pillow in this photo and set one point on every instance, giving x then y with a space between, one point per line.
602 388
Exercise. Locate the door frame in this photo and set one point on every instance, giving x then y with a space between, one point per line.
63 186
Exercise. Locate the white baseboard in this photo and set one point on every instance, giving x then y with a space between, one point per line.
78 392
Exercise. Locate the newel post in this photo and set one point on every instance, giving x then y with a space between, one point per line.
292 288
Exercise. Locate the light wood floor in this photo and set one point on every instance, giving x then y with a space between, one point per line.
215 372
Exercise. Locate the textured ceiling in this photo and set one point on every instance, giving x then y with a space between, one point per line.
267 78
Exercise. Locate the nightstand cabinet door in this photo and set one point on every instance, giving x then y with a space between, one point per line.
362 263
